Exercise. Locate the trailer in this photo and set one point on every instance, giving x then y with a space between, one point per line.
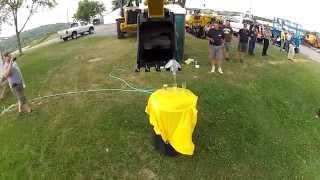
280 25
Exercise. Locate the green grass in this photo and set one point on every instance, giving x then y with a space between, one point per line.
257 121
42 40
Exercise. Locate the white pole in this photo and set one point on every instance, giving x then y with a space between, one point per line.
251 3
68 16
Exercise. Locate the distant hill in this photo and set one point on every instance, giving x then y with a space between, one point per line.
32 35
228 13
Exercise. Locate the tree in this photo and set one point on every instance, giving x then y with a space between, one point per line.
13 7
4 14
182 2
87 10
117 3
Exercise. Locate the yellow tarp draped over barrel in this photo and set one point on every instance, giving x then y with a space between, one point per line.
173 115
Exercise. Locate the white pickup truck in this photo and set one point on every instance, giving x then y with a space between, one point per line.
77 28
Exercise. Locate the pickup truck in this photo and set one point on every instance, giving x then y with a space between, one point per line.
77 28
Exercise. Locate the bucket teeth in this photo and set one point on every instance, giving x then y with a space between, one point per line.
147 69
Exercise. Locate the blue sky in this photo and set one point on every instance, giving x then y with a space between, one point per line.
304 12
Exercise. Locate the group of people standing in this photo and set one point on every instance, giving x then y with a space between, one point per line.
220 38
10 74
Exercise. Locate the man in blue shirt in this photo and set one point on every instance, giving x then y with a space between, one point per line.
244 34
216 42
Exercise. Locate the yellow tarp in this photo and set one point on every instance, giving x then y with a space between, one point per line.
173 115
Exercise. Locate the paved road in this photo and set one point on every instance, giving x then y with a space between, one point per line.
310 53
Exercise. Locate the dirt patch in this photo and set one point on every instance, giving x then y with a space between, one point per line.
229 72
277 62
259 65
286 62
147 174
300 61
95 60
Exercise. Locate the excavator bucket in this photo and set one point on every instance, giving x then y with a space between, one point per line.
156 40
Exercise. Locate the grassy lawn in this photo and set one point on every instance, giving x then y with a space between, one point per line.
42 40
257 121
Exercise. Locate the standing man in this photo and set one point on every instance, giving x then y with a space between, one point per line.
216 41
283 40
288 41
228 34
243 41
266 41
253 39
291 51
13 74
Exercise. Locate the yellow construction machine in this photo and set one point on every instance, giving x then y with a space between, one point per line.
127 23
313 39
198 20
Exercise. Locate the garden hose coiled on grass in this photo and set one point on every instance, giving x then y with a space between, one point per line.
131 89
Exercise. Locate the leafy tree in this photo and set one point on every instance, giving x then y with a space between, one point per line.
88 10
4 13
11 8
182 2
117 3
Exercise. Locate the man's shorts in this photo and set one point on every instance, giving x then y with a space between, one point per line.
227 46
18 91
216 52
243 47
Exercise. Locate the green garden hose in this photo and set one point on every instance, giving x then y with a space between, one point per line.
131 89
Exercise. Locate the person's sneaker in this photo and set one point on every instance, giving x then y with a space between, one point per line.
213 70
220 70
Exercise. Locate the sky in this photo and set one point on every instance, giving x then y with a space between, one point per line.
303 12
